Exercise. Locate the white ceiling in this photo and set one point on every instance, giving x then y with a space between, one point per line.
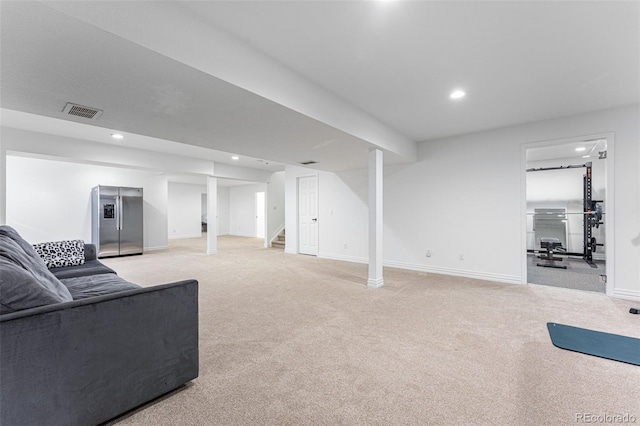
394 61
519 61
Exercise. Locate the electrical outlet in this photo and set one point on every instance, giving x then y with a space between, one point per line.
346 245
461 256
428 253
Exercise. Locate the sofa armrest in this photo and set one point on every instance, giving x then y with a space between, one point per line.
90 360
90 252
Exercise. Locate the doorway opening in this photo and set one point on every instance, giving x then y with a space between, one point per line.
567 226
260 214
203 213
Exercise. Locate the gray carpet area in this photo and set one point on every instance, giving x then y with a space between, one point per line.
578 275
296 340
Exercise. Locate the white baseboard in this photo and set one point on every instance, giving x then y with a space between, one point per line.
183 236
626 294
156 248
509 279
242 235
375 283
502 278
353 259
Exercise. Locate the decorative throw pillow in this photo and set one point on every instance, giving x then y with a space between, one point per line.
61 253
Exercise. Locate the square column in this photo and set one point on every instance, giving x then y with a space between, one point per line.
3 184
375 218
212 215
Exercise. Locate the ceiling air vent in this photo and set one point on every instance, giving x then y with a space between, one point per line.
306 163
82 111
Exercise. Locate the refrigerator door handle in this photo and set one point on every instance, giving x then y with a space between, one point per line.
119 213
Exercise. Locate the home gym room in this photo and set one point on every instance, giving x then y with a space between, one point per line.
566 193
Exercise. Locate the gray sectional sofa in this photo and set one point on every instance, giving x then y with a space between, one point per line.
80 345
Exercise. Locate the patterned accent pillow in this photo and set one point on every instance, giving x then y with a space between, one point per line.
61 253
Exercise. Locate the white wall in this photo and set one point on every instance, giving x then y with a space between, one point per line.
184 210
343 216
223 210
51 200
342 213
242 209
456 203
235 207
466 195
463 196
275 205
156 201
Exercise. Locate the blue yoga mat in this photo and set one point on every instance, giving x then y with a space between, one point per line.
596 343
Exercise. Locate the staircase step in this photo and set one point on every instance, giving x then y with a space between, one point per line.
279 241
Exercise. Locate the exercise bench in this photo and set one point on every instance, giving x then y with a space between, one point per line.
551 245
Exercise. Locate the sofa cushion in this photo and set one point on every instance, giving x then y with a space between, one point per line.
25 280
20 289
11 233
90 267
26 257
57 254
97 285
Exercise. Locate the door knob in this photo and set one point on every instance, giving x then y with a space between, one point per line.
315 219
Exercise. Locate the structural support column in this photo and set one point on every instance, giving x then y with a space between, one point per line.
212 215
375 218
3 184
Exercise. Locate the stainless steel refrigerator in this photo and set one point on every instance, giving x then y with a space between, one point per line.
116 222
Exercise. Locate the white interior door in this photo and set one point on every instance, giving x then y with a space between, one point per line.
308 215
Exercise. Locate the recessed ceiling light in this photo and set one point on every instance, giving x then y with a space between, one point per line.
457 94
117 136
581 148
235 157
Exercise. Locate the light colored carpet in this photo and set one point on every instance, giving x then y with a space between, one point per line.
296 340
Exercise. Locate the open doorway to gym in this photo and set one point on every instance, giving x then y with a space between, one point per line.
566 193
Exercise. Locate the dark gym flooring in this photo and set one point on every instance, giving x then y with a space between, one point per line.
578 275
